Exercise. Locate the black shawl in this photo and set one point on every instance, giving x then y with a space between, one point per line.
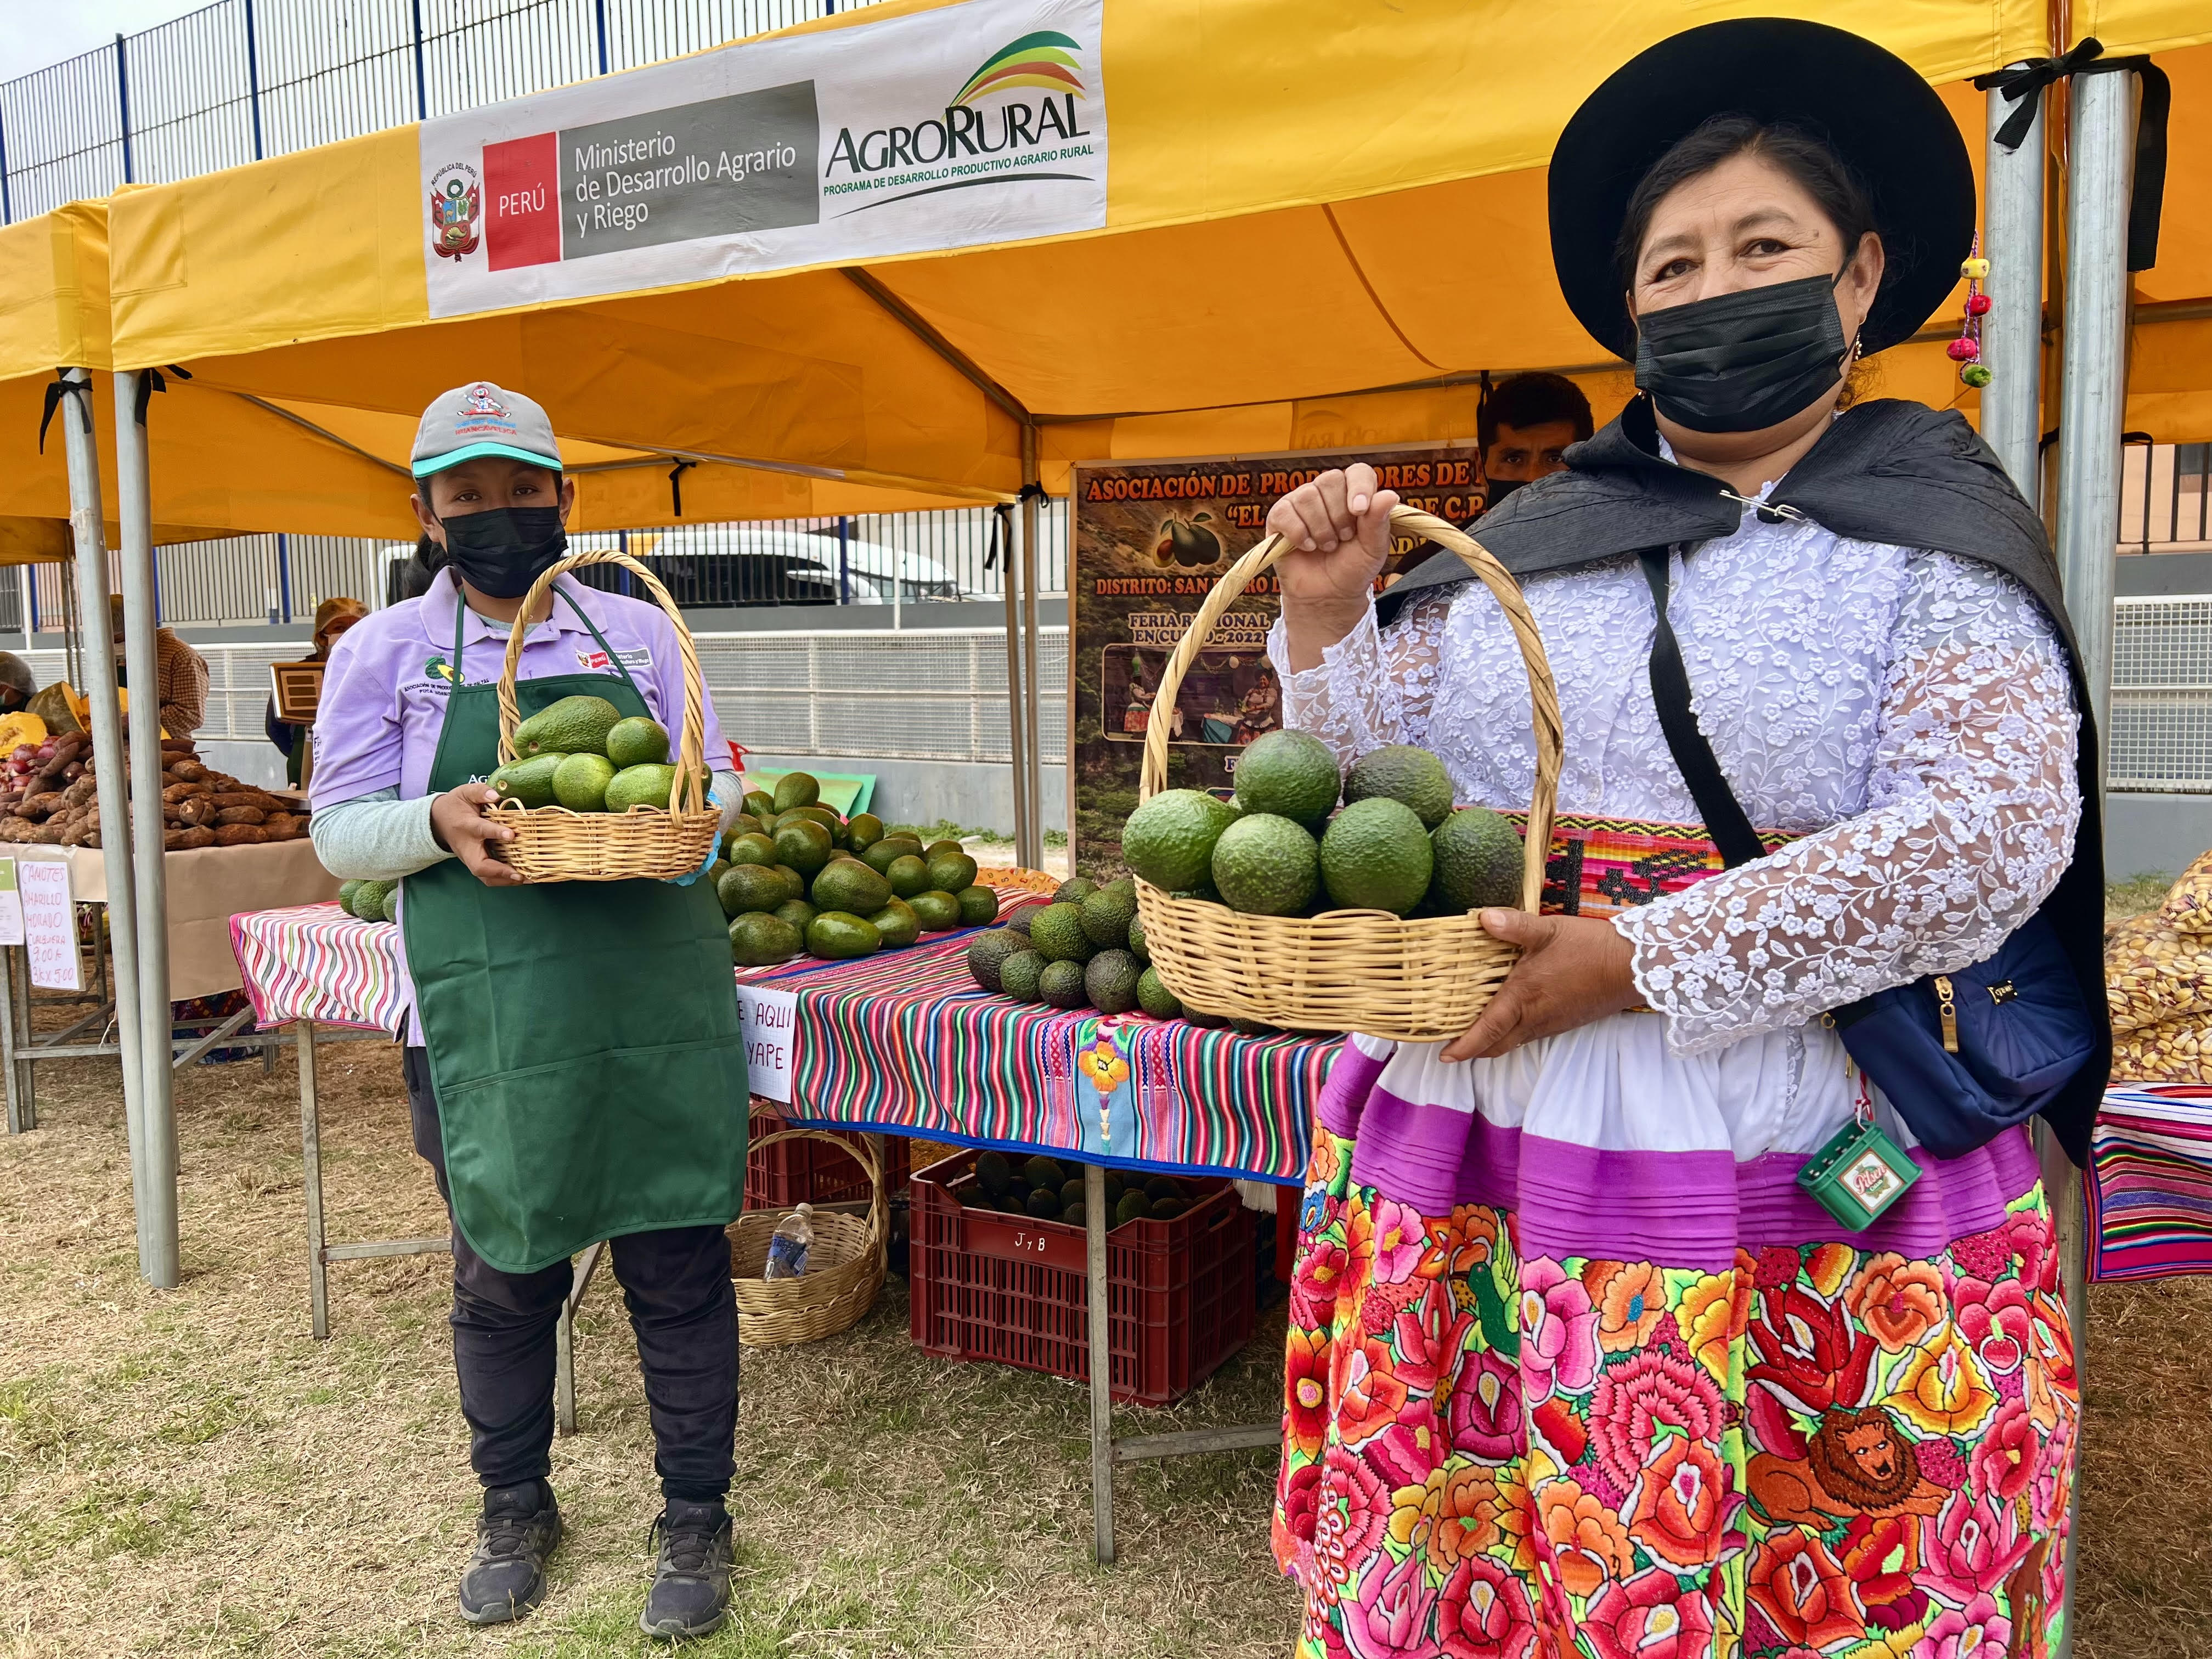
1886 471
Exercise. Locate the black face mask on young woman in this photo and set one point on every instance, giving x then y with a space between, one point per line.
501 552
1742 362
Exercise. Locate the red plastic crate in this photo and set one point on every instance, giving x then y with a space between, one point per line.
813 1171
990 1286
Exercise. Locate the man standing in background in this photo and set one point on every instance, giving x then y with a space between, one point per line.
1524 427
180 674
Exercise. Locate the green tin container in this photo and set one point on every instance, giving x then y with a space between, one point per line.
1860 1173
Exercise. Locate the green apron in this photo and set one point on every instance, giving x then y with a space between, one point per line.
583 1035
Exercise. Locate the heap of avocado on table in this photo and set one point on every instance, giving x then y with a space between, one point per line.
795 877
1084 950
1051 1189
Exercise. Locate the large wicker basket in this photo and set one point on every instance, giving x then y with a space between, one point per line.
845 1264
552 843
1348 970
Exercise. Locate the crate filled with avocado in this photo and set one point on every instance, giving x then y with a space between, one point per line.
796 879
1366 851
996 1270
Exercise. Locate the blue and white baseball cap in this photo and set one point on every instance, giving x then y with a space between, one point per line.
481 419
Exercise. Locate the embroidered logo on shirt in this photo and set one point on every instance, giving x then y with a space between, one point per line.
592 660
437 667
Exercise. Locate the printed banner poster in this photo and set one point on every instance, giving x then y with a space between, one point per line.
984 122
1150 539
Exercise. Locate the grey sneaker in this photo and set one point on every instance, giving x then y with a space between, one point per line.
505 1577
690 1593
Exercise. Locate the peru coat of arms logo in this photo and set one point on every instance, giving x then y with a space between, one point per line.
456 204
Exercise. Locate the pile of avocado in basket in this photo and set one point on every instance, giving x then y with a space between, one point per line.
793 878
583 754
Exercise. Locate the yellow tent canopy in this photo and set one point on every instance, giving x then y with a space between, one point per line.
1322 222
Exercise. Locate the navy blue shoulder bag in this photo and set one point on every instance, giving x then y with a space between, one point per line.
1962 1056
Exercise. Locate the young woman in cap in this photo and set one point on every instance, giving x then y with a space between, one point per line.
574 1064
1576 1364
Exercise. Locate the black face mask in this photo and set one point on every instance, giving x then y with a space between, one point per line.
1742 362
503 550
1499 489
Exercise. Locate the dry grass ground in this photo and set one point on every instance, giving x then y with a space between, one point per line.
189 1474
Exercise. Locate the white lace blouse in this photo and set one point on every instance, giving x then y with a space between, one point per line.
1907 713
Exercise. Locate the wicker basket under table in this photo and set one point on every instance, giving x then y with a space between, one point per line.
1348 970
845 1265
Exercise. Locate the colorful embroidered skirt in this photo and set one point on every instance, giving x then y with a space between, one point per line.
1828 1447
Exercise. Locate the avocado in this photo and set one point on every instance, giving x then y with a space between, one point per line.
758 940
799 912
1018 1190
1255 1028
950 873
714 870
1042 1172
1160 1185
752 848
993 1172
1110 982
1376 855
744 824
1121 884
1137 948
1106 915
1133 1207
746 887
387 909
1074 891
1057 934
649 785
987 950
574 726
937 848
1166 1209
1202 1020
1077 1214
802 844
1114 1187
1019 920
1044 1204
369 899
580 782
1402 773
863 830
822 815
1061 984
1154 997
527 782
1070 1191
1478 861
637 741
898 924
1266 866
939 913
760 803
794 884
1019 976
1169 841
884 853
1289 774
849 884
978 905
837 936
907 875
796 789
346 890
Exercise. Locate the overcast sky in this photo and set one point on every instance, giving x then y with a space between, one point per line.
36 32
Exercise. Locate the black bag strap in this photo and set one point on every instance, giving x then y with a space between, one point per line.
1726 822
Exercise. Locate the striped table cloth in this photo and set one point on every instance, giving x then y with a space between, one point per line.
2150 1182
904 1042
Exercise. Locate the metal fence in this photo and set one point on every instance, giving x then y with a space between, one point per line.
2161 736
241 79
936 695
2166 498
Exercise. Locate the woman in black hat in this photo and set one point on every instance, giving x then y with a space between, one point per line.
1576 1362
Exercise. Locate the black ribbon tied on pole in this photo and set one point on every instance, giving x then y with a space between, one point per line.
61 388
2023 86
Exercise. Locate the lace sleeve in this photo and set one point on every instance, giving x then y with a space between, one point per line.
1373 686
1971 806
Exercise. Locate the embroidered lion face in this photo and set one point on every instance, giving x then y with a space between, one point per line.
1860 1459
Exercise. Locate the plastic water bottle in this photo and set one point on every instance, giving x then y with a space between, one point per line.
788 1245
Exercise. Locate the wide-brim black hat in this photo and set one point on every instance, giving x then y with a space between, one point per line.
1868 105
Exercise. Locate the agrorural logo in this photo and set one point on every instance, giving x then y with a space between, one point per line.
976 142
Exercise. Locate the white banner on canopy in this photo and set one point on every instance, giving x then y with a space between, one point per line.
978 122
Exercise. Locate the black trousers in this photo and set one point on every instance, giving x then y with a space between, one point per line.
677 1285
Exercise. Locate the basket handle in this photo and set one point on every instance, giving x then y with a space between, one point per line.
858 1148
689 792
1543 690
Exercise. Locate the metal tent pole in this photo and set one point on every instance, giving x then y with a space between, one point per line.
2092 405
2011 333
134 513
1024 807
153 1198
1032 848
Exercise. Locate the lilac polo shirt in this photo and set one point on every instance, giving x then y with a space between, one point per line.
383 703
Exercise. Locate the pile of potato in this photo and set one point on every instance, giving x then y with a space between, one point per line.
2158 983
57 804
